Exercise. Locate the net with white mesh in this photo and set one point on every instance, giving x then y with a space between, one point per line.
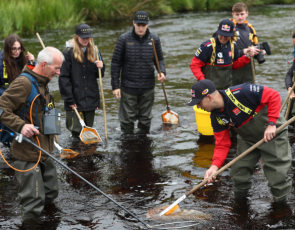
89 136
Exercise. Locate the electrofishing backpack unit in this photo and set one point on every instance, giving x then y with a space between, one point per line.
5 137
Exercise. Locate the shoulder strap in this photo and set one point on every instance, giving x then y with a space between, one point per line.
239 104
213 55
5 75
232 45
252 36
233 20
34 92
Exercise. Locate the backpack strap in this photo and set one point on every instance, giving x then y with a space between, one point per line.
34 92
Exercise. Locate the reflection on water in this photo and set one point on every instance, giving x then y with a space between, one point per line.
144 172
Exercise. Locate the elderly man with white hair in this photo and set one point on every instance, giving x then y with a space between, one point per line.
38 186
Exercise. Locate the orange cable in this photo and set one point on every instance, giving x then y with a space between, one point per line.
37 141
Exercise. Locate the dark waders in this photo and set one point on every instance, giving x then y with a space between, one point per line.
221 76
38 186
134 108
73 124
276 155
243 75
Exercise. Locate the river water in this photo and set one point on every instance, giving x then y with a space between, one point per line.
144 172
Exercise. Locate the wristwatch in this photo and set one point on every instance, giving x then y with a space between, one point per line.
270 123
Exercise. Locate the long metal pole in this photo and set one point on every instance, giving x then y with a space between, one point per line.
76 174
102 97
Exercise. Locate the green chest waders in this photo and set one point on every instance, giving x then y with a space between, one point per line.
253 131
242 75
221 76
276 155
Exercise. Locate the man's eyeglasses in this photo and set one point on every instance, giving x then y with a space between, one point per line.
16 49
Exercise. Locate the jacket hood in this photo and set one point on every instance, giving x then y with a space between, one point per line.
70 43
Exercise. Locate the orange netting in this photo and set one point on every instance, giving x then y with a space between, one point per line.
170 117
68 153
89 136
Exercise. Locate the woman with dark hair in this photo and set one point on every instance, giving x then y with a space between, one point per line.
78 79
12 60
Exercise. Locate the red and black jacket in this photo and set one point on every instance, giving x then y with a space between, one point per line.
255 97
223 58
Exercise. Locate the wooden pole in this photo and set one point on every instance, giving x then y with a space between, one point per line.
42 44
159 70
253 71
224 168
252 67
288 96
102 97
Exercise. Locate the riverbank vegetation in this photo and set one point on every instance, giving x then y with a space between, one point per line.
25 16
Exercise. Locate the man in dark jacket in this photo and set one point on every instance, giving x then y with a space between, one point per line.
134 61
247 37
38 186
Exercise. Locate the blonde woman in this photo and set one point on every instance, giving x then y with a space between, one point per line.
78 79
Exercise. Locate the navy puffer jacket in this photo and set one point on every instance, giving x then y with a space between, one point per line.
134 60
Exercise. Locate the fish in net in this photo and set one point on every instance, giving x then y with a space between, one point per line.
179 214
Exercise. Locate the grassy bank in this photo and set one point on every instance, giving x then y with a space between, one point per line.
25 16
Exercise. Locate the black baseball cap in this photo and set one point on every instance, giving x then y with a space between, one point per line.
141 17
83 31
200 90
226 28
